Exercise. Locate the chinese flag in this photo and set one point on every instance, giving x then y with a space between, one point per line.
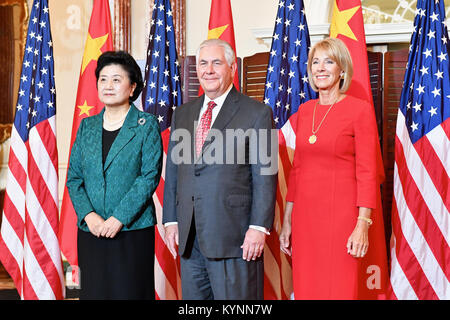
348 25
99 40
221 27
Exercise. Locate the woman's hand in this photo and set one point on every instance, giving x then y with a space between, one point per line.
285 239
358 242
111 227
286 230
94 223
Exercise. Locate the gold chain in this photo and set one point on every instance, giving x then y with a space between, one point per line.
313 137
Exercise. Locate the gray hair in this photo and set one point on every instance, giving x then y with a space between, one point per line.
230 56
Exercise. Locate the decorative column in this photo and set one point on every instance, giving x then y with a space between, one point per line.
122 25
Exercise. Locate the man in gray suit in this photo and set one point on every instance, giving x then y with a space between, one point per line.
219 198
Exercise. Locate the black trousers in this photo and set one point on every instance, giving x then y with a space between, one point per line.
120 268
204 278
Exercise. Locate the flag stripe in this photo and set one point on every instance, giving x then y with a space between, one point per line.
163 256
434 167
284 170
446 127
39 262
41 194
422 179
400 283
17 199
272 264
165 289
46 139
16 174
167 268
268 288
8 247
39 285
419 211
439 139
27 289
288 132
170 274
427 263
45 240
20 152
43 175
14 219
407 257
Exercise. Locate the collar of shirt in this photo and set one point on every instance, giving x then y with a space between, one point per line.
219 103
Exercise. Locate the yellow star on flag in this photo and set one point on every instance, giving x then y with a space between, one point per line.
84 109
92 50
339 22
216 32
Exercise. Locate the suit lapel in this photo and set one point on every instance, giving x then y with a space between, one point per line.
227 112
126 133
96 140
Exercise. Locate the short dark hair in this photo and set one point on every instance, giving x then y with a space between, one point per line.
128 63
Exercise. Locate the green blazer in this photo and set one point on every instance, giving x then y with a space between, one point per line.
124 185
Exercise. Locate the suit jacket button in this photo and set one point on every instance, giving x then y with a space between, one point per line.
197 174
192 198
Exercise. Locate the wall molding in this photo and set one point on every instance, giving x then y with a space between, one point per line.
375 33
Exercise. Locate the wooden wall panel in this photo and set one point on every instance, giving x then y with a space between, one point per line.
254 75
394 71
6 64
376 83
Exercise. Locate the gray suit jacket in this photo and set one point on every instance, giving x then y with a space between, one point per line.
224 197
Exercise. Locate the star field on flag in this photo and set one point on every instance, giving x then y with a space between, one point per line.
162 82
287 81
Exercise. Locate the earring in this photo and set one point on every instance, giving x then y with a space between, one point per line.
342 75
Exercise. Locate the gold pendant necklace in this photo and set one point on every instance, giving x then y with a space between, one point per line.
313 138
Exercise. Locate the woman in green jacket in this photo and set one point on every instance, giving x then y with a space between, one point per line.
115 166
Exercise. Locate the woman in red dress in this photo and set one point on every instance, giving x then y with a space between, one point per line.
333 186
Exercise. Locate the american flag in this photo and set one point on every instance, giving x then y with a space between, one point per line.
420 266
161 94
29 247
287 84
286 89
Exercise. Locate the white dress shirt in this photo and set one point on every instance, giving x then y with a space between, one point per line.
219 103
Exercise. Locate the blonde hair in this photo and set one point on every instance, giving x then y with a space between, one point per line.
338 52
